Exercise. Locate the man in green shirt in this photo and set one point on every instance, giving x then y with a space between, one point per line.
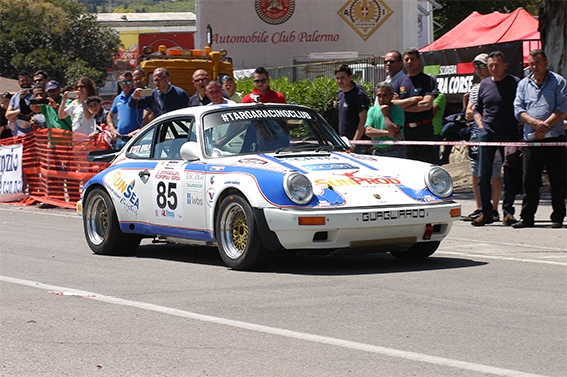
385 122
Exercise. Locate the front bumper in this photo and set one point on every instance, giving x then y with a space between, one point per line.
385 228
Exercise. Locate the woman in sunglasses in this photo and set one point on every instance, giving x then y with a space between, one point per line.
76 106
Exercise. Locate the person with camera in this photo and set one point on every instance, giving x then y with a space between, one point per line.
47 107
18 121
128 120
5 131
82 119
163 99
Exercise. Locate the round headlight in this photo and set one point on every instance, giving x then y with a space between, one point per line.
298 188
439 182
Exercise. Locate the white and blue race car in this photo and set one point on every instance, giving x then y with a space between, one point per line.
258 178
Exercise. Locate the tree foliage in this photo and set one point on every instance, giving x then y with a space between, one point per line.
57 36
455 11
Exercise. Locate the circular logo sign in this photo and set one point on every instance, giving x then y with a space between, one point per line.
274 12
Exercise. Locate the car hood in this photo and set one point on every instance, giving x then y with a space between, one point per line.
344 179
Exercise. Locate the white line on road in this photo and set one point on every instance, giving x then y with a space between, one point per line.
499 257
538 247
386 351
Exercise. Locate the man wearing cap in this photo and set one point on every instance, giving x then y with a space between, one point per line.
229 87
416 94
129 120
53 93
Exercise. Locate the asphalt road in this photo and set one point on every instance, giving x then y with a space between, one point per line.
491 302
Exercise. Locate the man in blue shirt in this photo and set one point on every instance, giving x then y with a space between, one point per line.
164 98
129 120
541 104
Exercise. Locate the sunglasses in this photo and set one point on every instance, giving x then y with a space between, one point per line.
201 80
479 65
260 81
138 79
390 61
126 82
80 86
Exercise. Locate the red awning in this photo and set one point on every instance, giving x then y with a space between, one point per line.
484 29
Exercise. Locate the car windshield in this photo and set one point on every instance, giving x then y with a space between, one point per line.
267 130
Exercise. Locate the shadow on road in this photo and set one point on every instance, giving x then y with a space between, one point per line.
382 263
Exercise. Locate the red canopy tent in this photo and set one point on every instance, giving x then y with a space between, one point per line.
450 57
485 29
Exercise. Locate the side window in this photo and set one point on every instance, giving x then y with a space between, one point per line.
171 135
142 147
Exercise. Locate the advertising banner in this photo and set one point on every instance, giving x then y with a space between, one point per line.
11 182
454 69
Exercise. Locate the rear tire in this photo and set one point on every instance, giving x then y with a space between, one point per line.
101 227
237 235
419 250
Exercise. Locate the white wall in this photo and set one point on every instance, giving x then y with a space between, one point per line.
252 42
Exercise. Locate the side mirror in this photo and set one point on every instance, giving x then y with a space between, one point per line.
102 156
190 151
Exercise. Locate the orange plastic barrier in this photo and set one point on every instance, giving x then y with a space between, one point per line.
55 166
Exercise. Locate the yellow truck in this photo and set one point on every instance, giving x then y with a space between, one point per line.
183 63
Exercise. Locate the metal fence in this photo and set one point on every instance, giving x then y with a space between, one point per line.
368 69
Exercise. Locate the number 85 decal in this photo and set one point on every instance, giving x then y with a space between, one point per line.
167 195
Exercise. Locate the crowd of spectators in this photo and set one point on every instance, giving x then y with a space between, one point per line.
408 106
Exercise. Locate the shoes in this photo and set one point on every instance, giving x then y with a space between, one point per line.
482 220
523 224
509 220
495 215
556 225
472 216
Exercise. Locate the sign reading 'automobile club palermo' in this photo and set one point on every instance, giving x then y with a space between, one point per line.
274 12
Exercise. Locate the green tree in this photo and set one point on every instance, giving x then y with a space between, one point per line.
58 36
455 11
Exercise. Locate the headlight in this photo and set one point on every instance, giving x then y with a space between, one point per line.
298 188
439 182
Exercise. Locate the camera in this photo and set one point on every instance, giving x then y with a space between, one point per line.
71 95
42 101
145 92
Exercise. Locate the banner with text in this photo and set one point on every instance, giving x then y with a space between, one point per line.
11 182
454 69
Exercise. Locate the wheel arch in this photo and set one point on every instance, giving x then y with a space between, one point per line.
269 238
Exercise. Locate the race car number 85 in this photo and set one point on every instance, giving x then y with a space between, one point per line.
167 196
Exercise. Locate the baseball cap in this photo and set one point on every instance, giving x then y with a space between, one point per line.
481 58
51 84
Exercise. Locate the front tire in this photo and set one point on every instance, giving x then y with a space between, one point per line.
237 235
419 250
102 229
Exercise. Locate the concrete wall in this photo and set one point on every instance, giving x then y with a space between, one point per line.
275 32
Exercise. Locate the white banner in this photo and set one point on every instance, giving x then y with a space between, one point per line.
11 179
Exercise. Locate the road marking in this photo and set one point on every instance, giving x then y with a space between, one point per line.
538 247
385 351
464 254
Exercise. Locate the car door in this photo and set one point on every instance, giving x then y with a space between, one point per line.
177 189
